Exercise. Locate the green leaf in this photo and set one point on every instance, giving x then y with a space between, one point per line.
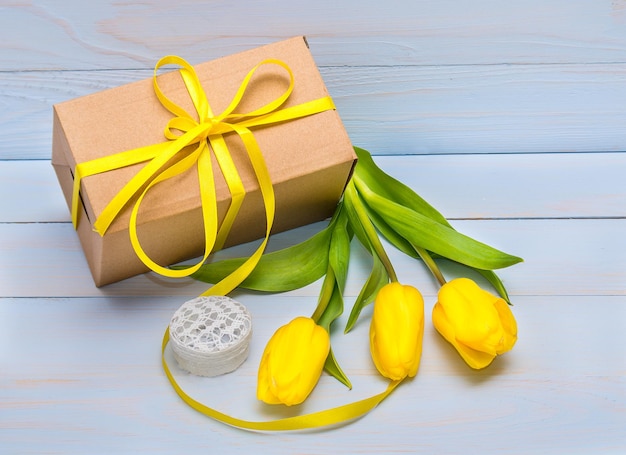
354 222
331 301
377 279
332 367
495 281
386 186
436 237
359 218
383 184
282 270
339 251
392 236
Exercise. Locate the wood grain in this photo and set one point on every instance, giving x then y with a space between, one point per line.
45 260
461 187
72 35
395 110
408 77
119 400
507 116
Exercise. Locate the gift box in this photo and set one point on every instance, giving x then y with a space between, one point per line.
308 156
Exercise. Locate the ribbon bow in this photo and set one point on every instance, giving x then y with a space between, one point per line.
204 131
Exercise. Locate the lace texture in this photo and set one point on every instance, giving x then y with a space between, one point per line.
210 335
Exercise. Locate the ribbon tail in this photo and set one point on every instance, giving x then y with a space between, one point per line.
233 280
235 186
333 416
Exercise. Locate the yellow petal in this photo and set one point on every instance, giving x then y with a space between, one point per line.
292 362
475 359
471 311
477 323
509 325
396 331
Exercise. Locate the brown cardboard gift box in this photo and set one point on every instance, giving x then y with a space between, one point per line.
309 159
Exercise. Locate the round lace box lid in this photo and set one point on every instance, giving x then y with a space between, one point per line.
210 336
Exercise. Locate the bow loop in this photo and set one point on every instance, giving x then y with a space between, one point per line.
192 83
177 126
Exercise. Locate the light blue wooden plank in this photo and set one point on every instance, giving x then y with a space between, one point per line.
516 186
86 374
396 110
427 77
464 186
27 100
562 257
476 109
127 34
30 192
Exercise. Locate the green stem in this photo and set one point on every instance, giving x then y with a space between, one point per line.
430 263
328 286
370 230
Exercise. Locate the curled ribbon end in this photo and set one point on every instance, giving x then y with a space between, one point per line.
98 230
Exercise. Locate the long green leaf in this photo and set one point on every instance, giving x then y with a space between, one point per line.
433 236
377 279
495 281
354 222
339 251
331 306
392 236
390 188
278 271
385 185
330 300
361 218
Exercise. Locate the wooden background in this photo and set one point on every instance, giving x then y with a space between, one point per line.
507 116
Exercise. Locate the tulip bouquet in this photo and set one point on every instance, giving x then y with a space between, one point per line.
477 323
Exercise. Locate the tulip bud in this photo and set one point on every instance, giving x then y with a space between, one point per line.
477 323
396 331
292 362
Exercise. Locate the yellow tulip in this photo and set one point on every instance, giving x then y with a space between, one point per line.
477 323
292 362
397 330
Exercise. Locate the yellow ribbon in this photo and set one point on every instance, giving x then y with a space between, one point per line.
333 416
205 132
